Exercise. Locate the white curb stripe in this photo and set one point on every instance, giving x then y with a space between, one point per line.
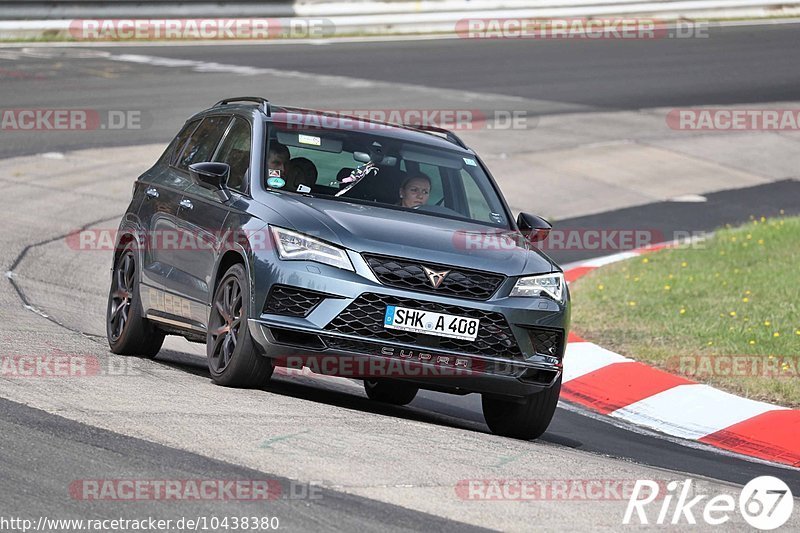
581 358
692 411
607 260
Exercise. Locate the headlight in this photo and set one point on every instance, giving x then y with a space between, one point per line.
551 285
293 246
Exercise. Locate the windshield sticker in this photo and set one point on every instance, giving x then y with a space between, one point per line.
309 139
470 162
276 183
357 175
303 188
274 173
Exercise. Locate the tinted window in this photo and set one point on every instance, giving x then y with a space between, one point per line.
203 141
176 147
235 150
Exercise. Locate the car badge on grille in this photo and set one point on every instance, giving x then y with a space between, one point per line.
436 278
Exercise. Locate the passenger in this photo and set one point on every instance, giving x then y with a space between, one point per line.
300 171
415 191
277 158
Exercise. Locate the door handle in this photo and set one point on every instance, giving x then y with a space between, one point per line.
151 192
187 204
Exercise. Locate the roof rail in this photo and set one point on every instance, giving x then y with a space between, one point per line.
254 99
452 137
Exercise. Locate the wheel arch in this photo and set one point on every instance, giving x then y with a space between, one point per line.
235 255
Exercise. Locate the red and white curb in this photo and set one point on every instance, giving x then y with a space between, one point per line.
613 385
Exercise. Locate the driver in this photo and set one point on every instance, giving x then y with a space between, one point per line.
415 191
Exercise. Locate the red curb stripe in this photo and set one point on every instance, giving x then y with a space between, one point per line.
774 435
619 385
578 272
574 338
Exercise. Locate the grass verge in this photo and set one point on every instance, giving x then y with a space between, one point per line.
725 311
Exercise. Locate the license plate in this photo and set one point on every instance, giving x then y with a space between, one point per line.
439 324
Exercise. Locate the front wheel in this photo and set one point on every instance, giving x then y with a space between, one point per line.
393 392
233 359
128 332
526 420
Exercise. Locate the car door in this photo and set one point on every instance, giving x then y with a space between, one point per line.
176 241
204 214
163 190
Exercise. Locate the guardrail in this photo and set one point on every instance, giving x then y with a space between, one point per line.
21 19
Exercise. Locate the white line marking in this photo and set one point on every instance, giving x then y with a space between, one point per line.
689 198
607 260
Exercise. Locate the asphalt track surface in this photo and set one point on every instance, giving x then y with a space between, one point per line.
738 65
734 65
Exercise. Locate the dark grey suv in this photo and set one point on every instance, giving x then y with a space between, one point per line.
289 238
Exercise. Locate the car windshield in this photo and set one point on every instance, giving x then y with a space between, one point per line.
358 166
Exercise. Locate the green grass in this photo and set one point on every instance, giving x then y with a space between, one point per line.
736 294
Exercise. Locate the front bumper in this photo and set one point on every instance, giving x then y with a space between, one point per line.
354 357
367 352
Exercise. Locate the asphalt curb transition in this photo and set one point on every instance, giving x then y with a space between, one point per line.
611 384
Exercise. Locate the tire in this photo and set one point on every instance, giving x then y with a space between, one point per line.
527 420
127 331
392 392
233 358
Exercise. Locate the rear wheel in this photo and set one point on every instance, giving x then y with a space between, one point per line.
393 392
233 358
526 420
128 332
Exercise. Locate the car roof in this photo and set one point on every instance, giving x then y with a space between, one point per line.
432 136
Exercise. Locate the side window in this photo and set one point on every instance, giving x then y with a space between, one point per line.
235 150
203 141
177 145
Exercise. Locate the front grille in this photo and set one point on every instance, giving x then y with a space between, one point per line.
364 318
546 341
292 301
408 274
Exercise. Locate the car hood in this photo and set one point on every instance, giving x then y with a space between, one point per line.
413 235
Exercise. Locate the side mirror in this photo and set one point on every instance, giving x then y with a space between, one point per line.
535 228
215 175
